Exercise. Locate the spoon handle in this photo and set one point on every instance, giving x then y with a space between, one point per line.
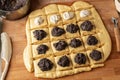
117 37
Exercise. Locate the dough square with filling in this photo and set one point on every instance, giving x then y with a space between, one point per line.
56 52
71 20
85 33
46 39
91 46
43 24
59 22
58 67
93 61
79 18
76 65
77 49
39 71
35 52
51 9
71 35
52 38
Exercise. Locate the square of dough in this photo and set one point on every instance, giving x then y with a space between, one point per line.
77 65
46 75
98 26
84 33
51 9
71 35
54 24
81 69
80 5
79 18
64 8
93 61
65 51
39 12
56 37
58 67
63 73
48 52
39 71
68 20
91 46
46 39
43 24
80 48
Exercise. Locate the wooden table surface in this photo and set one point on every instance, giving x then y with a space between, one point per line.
16 30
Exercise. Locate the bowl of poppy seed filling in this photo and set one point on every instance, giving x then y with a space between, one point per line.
14 9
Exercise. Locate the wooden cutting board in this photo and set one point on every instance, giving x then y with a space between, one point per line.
16 30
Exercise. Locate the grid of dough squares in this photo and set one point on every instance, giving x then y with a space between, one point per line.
55 48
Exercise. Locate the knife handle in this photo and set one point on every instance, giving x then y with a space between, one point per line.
117 37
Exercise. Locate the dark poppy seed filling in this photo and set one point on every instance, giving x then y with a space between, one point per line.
72 28
61 45
96 55
86 26
39 34
42 49
75 43
11 5
56 31
64 61
45 64
92 40
80 58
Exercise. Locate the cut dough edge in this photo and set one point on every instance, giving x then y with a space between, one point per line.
27 54
58 74
28 60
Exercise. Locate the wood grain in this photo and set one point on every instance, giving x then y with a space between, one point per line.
16 30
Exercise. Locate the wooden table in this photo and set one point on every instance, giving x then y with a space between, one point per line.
16 30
